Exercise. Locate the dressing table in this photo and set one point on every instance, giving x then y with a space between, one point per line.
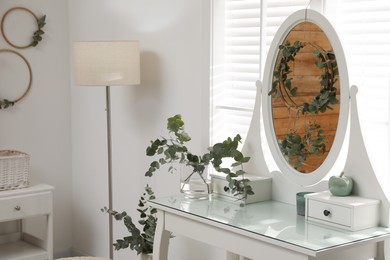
263 230
271 228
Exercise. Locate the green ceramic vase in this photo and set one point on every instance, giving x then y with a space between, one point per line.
340 185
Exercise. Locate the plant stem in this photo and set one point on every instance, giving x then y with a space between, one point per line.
200 175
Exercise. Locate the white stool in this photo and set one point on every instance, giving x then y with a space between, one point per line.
82 258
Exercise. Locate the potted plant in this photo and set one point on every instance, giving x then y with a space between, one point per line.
140 239
172 150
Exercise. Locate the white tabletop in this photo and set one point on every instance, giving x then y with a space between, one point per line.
270 219
33 188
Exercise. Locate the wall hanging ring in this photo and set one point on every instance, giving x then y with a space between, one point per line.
5 103
37 36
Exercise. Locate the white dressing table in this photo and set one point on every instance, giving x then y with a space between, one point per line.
272 229
264 230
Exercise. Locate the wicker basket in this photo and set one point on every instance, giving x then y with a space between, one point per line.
14 169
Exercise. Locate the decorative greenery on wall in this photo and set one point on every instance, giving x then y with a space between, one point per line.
5 103
36 38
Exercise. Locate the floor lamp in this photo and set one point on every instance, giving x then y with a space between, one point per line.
111 63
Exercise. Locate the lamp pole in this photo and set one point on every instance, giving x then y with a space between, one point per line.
109 164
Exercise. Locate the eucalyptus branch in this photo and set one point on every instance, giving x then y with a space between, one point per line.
5 103
326 61
141 239
295 148
174 150
228 149
37 37
282 83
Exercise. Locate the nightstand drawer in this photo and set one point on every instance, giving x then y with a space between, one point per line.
19 207
330 213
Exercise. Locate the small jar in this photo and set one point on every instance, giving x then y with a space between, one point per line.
301 202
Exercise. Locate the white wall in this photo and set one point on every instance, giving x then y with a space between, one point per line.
174 38
174 42
40 124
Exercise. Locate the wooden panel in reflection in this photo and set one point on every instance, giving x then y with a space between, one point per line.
306 77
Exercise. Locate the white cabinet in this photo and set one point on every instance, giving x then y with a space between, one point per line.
351 212
20 205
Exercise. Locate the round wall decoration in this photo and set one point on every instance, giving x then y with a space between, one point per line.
36 37
5 103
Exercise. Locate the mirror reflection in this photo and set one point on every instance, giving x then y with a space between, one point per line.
305 97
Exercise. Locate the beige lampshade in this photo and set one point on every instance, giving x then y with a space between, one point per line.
110 63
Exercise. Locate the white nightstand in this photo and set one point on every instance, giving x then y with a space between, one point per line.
20 204
351 212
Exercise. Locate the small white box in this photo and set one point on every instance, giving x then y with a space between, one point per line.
352 213
261 186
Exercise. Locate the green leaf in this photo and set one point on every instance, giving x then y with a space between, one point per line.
39 32
184 137
41 21
162 161
175 123
316 53
236 164
239 156
294 91
155 164
150 150
224 170
240 172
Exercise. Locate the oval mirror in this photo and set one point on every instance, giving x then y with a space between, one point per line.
305 101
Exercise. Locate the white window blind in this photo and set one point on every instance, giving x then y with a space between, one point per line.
236 59
241 37
242 33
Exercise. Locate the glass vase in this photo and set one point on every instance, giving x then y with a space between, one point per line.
146 256
194 184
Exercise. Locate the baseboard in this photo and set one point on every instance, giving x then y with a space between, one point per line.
70 252
64 253
78 252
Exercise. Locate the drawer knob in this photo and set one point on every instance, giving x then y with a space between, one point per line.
17 208
326 213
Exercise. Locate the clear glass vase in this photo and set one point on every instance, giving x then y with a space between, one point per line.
194 184
146 256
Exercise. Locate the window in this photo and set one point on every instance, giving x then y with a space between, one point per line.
242 32
235 66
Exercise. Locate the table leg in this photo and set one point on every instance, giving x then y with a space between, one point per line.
161 238
49 235
383 250
232 256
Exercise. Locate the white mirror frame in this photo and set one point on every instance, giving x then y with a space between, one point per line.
296 18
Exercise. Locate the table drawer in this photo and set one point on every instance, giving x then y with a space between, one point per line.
350 212
331 213
19 207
